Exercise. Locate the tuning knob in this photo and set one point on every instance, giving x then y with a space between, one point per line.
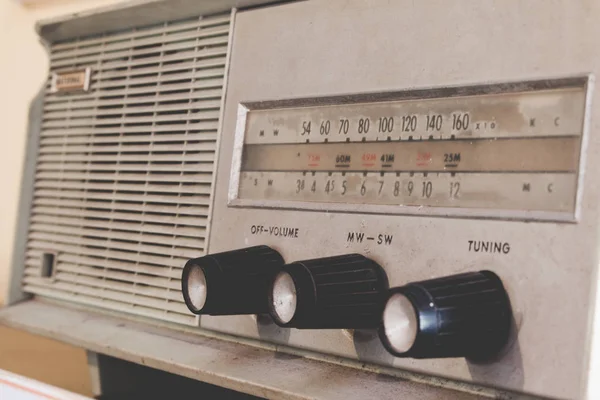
465 315
342 292
229 283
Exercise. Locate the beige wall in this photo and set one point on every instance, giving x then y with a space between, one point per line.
23 66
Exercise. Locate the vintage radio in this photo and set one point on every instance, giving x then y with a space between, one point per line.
318 199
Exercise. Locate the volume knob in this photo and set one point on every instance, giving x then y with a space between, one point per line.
465 315
232 282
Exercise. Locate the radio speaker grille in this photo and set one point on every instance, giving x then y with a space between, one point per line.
125 171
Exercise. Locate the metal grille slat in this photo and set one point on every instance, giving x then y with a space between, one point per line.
60 103
124 157
106 107
160 88
123 109
153 147
190 33
112 264
129 187
164 87
118 138
113 244
154 281
118 254
128 62
202 115
141 237
102 266
91 201
162 79
168 27
207 126
120 286
121 265
120 216
122 226
150 168
115 176
119 196
107 56
185 66
125 170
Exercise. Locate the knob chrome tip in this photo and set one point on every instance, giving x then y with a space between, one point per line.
400 323
284 297
196 287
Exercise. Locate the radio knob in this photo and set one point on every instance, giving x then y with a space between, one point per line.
465 315
229 283
341 292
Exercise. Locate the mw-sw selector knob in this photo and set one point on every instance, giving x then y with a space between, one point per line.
465 315
232 282
341 292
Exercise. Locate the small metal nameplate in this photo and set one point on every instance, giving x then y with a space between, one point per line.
71 81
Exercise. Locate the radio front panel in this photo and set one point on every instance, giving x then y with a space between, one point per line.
431 157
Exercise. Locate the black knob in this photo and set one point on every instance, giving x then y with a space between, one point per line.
229 283
341 292
465 315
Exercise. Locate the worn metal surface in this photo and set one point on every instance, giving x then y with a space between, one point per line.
134 13
344 47
252 370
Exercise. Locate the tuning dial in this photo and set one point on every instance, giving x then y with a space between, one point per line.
229 283
465 315
342 292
